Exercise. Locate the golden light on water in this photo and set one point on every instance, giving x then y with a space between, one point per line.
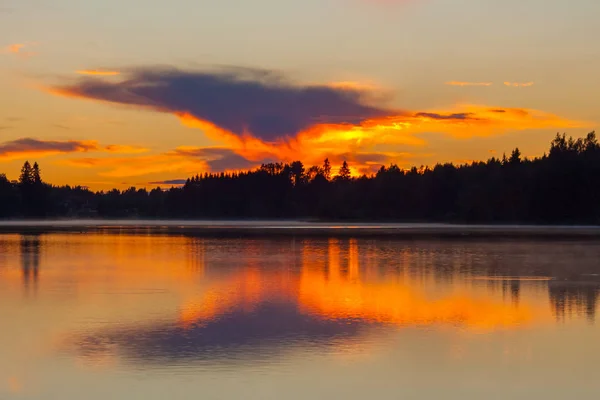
337 289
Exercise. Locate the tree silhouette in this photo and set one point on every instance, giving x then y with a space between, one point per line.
515 157
327 169
312 173
297 170
560 187
26 177
344 172
36 174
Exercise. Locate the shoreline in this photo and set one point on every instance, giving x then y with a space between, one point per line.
255 228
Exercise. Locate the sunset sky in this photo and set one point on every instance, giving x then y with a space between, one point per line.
147 92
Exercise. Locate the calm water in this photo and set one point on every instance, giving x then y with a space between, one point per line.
124 316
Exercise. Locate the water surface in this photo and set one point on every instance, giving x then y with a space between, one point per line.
123 315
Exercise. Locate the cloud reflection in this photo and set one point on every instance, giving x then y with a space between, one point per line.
254 312
264 332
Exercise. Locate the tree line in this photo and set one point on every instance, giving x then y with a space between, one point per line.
560 187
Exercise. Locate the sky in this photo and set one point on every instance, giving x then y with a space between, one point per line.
148 92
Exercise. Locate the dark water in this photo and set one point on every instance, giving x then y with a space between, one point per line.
128 316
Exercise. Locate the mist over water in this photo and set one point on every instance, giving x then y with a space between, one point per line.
121 314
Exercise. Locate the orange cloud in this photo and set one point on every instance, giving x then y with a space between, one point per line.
185 160
518 84
35 148
125 149
486 121
260 117
121 167
335 142
459 83
15 385
338 142
17 50
23 148
97 72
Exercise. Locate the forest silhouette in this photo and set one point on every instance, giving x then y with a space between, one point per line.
560 187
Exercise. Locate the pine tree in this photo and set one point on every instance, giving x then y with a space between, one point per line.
344 172
515 157
327 169
297 172
26 177
36 174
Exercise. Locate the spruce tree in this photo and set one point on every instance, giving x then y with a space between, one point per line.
344 173
327 169
36 174
26 177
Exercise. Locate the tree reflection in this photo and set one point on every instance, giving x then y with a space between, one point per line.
574 298
257 302
30 247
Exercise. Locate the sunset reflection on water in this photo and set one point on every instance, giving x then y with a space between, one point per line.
89 305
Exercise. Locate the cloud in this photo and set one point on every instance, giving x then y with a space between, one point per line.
30 147
467 121
353 85
98 72
125 149
169 182
122 167
366 162
25 147
15 385
455 116
5 127
257 115
193 160
460 83
220 159
189 160
519 84
17 50
239 100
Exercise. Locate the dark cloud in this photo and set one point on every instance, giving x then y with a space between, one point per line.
29 145
170 182
5 127
456 116
221 159
59 126
232 162
14 119
498 110
239 100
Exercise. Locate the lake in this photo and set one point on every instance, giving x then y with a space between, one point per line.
138 314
